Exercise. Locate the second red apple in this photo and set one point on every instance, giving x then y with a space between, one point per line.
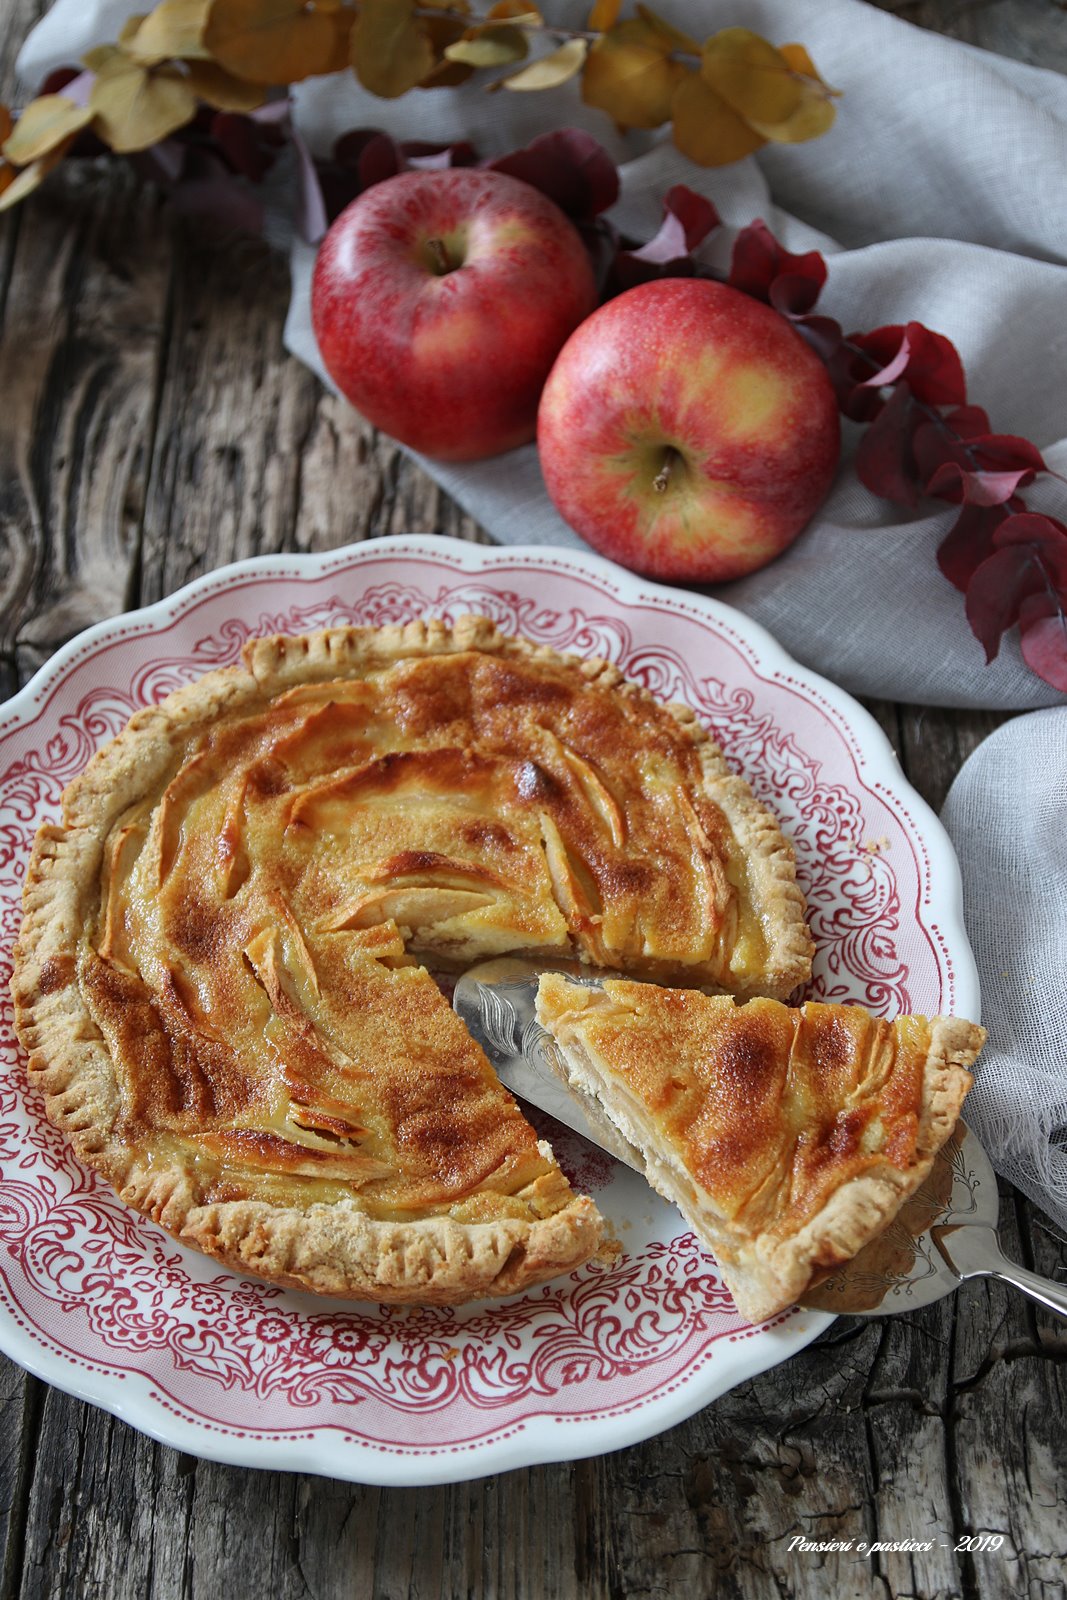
687 431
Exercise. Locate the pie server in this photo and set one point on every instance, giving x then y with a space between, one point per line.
945 1233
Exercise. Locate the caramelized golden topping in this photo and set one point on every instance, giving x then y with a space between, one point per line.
272 850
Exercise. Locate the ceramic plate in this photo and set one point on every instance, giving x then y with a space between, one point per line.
99 1302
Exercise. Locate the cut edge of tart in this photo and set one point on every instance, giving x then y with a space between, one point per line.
787 1137
149 929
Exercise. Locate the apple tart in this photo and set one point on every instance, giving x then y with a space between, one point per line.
217 978
788 1138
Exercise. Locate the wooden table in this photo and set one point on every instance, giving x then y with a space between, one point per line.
151 428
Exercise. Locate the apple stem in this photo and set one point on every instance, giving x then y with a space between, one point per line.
661 482
439 256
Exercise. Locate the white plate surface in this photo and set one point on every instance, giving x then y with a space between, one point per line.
99 1302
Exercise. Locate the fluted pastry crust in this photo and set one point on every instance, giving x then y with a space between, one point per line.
788 1138
215 978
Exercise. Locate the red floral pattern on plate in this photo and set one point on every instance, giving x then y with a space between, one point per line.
96 1291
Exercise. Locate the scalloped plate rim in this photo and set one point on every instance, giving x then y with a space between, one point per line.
540 1438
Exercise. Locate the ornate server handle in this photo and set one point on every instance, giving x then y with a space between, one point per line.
972 1250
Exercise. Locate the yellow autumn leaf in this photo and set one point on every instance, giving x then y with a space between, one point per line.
816 112
668 33
44 124
446 75
220 89
706 129
17 186
489 47
752 76
631 75
604 15
129 28
442 31
551 70
799 61
174 29
98 57
134 107
516 11
391 52
272 41
813 117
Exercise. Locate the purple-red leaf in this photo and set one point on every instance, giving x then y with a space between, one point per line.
369 155
935 371
935 445
968 542
437 157
1044 535
928 361
570 167
956 483
59 80
360 159
247 144
687 220
885 461
1044 645
967 422
888 351
1006 452
958 459
823 334
996 592
761 267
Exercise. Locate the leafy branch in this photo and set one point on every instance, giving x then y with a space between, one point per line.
725 96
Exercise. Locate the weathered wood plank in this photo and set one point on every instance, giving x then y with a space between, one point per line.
20 1400
79 351
14 26
357 484
20 1395
1013 1480
935 743
1028 30
251 455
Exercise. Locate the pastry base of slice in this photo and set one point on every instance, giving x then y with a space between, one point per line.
788 1138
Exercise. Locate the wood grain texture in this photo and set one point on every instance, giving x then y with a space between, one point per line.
1029 30
152 429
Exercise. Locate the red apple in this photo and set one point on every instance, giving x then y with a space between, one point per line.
440 301
687 431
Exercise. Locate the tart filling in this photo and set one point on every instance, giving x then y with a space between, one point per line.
217 977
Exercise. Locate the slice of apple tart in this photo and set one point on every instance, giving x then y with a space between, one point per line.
787 1137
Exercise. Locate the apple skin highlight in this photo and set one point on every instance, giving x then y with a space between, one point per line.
440 301
688 432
